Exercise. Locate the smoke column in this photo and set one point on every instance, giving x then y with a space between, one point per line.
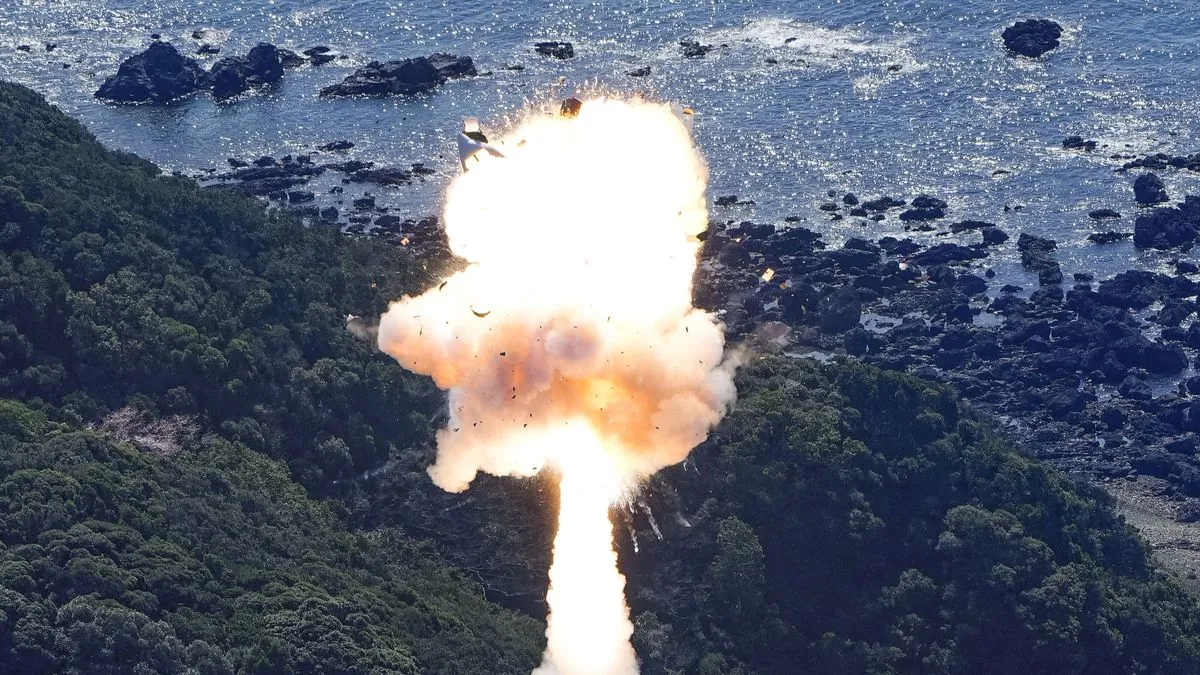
570 340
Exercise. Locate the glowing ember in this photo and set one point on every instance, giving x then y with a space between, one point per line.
571 339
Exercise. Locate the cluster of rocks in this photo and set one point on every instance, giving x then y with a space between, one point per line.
161 74
406 76
1032 37
1160 161
1169 227
268 177
280 180
555 49
692 49
1090 375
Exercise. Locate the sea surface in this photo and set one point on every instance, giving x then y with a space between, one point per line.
876 97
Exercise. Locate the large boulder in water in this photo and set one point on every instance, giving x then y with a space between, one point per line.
409 76
452 67
1032 37
555 48
1150 190
157 75
1165 228
234 75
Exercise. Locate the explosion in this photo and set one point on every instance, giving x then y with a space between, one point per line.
570 339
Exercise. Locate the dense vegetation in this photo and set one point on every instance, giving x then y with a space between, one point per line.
848 520
174 377
120 286
212 560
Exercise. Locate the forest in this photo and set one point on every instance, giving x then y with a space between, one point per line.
202 472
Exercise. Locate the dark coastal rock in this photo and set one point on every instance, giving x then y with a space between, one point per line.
208 49
1032 37
852 260
329 213
409 76
382 176
1113 417
1103 214
336 146
300 196
290 59
388 222
319 55
967 225
158 75
993 236
839 311
1050 275
693 49
1037 256
451 67
1154 464
1110 237
639 72
928 202
858 341
947 253
1136 289
234 75
351 166
901 247
1149 190
1077 143
1164 228
884 203
555 49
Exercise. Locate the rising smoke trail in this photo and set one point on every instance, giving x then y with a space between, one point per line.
570 339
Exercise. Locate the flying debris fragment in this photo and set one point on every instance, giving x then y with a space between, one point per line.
686 115
471 141
570 107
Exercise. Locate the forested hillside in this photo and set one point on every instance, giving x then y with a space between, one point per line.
211 560
120 286
177 390
848 520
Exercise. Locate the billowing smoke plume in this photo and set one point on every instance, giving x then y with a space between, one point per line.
570 339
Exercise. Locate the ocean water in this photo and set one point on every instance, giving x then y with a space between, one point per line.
833 113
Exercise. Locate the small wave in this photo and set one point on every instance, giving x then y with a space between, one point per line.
789 38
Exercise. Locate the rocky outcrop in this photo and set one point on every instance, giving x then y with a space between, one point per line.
693 49
1032 37
555 49
1078 143
158 75
162 74
1149 190
408 76
1164 228
233 75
